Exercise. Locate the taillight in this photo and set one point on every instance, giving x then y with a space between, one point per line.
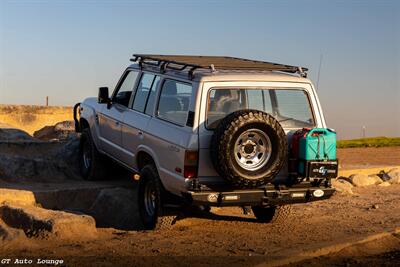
191 164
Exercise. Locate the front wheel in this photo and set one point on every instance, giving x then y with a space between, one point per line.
151 198
271 214
92 163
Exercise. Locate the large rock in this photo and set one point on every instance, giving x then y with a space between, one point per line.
376 178
60 131
361 180
17 196
59 164
117 208
394 175
343 186
385 184
10 234
38 222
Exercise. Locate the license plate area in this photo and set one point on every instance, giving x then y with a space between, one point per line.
321 169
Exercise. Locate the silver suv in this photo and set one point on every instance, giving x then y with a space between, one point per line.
203 131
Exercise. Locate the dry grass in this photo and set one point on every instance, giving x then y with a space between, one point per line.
33 118
370 142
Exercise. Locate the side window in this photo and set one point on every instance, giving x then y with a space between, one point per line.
143 91
152 96
124 92
174 101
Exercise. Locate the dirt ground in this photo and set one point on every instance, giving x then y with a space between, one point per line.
368 157
223 237
226 237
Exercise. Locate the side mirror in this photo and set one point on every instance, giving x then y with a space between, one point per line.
103 97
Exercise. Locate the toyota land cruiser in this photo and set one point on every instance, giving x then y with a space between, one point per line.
205 131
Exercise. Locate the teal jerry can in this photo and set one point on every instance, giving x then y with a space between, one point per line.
318 144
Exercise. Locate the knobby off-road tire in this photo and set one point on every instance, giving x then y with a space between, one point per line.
152 196
254 134
91 161
274 214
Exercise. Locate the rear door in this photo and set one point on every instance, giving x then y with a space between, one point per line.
291 103
111 116
138 116
170 132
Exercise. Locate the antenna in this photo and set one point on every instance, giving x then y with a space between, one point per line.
319 70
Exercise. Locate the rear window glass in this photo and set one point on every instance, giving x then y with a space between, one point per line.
291 107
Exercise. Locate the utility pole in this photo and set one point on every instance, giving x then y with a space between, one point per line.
47 101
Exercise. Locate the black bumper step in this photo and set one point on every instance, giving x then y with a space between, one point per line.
260 197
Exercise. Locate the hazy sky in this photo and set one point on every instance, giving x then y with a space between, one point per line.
67 49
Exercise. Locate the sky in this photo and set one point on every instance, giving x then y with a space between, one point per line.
67 49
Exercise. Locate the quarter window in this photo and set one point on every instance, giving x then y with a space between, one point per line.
174 101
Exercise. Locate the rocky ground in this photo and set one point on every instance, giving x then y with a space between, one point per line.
59 216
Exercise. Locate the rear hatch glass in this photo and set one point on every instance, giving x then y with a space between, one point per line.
291 107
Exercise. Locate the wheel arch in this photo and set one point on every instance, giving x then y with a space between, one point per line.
84 123
144 157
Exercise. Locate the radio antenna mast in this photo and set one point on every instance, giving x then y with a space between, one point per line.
319 70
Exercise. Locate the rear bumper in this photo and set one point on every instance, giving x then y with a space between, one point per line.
267 196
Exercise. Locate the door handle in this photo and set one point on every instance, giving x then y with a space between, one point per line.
140 133
117 123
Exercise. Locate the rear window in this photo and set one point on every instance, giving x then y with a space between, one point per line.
174 101
291 107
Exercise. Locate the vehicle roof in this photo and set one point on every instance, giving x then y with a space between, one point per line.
230 75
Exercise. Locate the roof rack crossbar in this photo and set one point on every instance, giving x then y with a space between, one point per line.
192 63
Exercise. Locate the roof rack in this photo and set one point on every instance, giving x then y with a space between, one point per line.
213 63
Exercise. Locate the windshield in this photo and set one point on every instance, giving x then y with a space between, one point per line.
291 107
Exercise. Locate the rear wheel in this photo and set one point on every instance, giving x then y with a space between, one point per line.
92 163
151 199
271 214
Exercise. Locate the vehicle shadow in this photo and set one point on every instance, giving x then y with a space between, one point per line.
210 215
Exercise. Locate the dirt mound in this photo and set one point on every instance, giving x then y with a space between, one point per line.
60 131
11 134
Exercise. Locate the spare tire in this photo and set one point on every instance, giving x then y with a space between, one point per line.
249 148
